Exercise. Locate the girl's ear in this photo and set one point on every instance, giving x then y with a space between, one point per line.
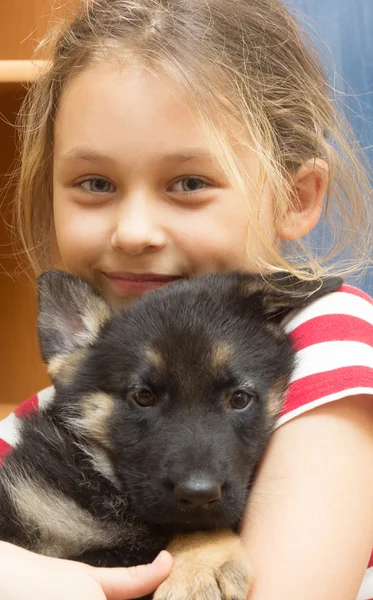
310 184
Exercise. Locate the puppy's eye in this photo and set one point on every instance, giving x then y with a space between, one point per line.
241 400
143 397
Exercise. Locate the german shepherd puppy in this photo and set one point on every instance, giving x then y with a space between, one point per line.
161 414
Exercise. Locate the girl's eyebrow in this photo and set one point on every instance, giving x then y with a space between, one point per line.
93 156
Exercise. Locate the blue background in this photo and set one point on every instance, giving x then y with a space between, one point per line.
343 32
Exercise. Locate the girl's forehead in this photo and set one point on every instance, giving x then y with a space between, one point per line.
106 106
122 96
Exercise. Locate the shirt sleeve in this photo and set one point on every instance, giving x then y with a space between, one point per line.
9 427
333 340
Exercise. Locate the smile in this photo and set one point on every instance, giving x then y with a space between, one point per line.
138 283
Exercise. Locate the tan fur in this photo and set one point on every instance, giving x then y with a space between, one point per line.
63 367
208 565
62 527
155 358
96 314
275 398
219 355
101 463
96 411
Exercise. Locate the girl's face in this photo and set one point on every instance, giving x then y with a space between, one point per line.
139 199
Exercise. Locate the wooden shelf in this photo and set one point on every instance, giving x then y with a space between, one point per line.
23 24
6 409
20 71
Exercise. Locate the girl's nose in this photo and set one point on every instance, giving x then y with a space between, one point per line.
136 230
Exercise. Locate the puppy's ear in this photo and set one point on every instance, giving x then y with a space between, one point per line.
280 293
70 314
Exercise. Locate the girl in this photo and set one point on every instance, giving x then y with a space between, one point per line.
170 139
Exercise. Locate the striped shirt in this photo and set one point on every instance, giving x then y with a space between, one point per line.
333 339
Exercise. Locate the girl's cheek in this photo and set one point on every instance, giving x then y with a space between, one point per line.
80 233
212 233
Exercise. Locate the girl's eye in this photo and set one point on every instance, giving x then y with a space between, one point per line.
97 185
240 400
191 184
143 397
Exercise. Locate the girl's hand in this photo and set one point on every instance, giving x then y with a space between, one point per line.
24 575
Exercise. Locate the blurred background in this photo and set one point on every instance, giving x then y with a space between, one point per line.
342 30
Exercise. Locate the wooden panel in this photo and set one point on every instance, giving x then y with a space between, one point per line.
25 22
15 71
21 370
22 373
5 410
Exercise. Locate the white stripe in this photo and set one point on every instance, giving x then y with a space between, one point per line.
9 429
341 303
324 400
327 356
366 590
45 396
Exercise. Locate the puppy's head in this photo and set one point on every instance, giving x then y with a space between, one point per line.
180 392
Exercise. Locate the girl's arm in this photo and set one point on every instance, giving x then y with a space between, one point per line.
309 525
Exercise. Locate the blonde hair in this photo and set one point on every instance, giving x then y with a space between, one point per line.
245 59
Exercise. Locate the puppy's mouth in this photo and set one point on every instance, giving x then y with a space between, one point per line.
190 520
198 520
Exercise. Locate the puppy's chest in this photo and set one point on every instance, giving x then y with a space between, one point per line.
59 526
64 506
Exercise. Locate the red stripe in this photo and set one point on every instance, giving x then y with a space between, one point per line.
370 561
5 448
330 328
314 387
27 407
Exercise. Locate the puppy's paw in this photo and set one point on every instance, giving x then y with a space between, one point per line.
207 566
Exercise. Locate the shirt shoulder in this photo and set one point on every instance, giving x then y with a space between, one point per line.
333 340
9 427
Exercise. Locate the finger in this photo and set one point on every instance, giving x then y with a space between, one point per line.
134 582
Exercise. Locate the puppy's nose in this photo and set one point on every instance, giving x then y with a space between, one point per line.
197 492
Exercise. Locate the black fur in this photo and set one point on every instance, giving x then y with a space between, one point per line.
208 338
